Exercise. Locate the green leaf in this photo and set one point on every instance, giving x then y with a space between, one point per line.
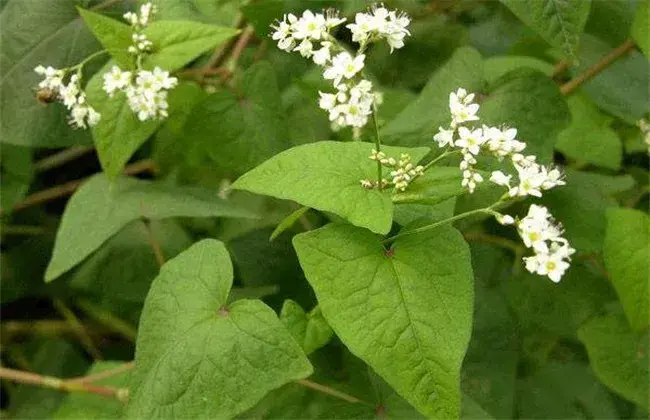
16 175
251 125
99 209
589 139
199 357
559 22
78 405
325 176
288 221
119 133
33 33
310 330
177 42
621 88
640 27
496 67
564 391
532 103
627 252
438 184
407 312
114 36
618 356
419 121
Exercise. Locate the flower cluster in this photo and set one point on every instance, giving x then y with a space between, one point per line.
71 95
539 231
644 126
380 23
146 91
141 43
403 171
352 102
533 178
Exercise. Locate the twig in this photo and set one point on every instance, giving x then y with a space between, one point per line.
22 230
78 328
105 374
61 384
9 329
61 158
40 197
559 68
329 391
573 84
107 319
157 250
241 44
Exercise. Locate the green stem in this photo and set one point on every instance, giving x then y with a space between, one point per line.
86 60
391 239
107 319
441 157
377 146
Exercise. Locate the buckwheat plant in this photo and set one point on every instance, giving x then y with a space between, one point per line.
146 90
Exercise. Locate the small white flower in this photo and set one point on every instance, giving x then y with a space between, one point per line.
309 25
363 25
505 219
444 137
322 55
500 178
306 48
470 140
344 65
332 18
53 77
327 101
116 79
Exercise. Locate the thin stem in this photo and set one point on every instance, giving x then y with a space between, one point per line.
569 87
78 328
60 384
107 319
61 158
105 374
157 250
439 158
380 176
240 46
391 239
22 230
221 51
330 391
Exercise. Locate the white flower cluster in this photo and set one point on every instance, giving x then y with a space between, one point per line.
498 142
71 95
380 23
141 43
147 94
352 102
403 170
540 232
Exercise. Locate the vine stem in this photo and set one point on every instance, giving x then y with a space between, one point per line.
487 210
61 158
61 384
105 374
78 328
380 176
157 250
573 84
330 391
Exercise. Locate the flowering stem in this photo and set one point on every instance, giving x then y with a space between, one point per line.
377 146
487 210
439 158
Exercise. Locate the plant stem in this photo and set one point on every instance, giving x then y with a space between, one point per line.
329 391
107 319
573 84
22 230
439 158
127 366
391 239
78 328
380 176
60 384
157 250
61 158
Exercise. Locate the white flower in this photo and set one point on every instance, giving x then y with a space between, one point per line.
93 116
500 178
502 142
116 79
69 93
461 107
343 65
327 101
53 77
553 179
322 55
306 48
309 25
363 25
444 137
505 219
470 141
146 10
332 18
131 18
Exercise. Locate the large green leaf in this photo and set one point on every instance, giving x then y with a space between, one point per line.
198 357
33 33
589 139
419 121
627 252
407 312
78 405
240 131
99 209
618 356
114 36
310 330
532 103
495 67
559 22
325 176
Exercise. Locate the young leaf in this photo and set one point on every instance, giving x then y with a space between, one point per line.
310 330
559 22
618 356
114 36
589 138
419 121
532 103
33 33
325 176
627 252
407 311
99 209
196 355
178 42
